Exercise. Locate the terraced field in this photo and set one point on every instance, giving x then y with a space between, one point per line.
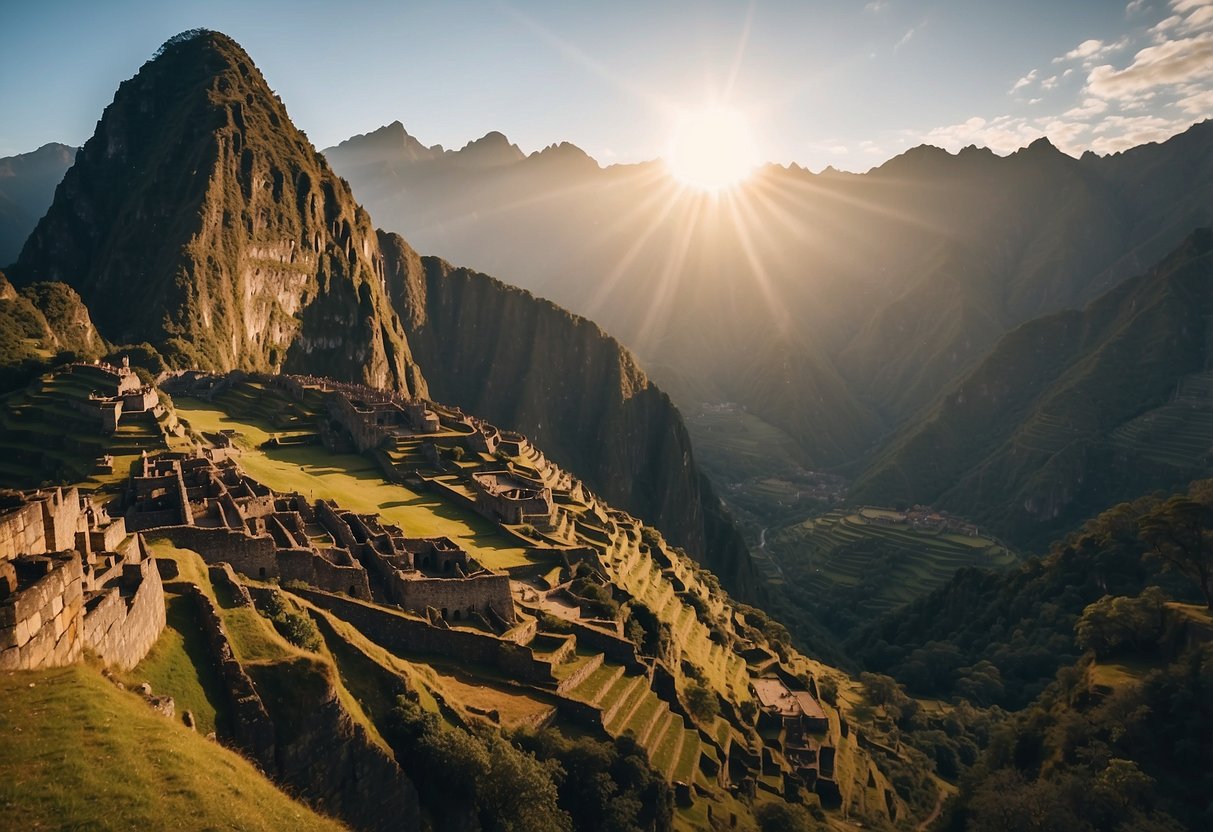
1180 433
43 437
879 567
629 705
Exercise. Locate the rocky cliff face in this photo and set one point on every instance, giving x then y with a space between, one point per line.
200 219
525 363
322 753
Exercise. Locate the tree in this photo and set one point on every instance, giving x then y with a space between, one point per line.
701 702
1181 535
1114 623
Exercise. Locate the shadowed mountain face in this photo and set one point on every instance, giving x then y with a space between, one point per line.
1073 412
27 184
833 306
199 219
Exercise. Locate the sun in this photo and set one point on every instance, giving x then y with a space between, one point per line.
711 149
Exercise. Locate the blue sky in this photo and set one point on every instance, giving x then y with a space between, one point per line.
842 83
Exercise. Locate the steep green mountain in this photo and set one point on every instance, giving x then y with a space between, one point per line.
832 306
499 352
27 185
1072 412
199 219
40 323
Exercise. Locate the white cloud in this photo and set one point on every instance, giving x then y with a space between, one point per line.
1089 107
1002 135
1024 81
1198 104
1134 7
1084 50
1117 133
907 36
1166 64
1049 83
876 6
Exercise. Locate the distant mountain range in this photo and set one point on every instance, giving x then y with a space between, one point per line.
836 307
27 183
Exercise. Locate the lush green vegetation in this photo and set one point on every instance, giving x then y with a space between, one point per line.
1090 756
480 772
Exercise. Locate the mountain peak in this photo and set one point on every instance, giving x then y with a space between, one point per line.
200 219
493 148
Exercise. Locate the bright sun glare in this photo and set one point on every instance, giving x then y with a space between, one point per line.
711 149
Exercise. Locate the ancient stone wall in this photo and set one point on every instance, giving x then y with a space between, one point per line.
22 532
61 514
41 624
618 650
334 525
252 730
121 626
456 598
107 538
403 634
254 556
309 567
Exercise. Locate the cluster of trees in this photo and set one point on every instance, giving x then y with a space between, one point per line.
467 777
999 638
1085 760
604 786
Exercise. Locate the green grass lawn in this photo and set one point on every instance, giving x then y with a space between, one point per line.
357 484
178 665
79 753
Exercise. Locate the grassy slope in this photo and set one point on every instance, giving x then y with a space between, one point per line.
79 753
356 484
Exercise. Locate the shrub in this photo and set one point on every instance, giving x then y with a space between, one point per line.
701 702
299 630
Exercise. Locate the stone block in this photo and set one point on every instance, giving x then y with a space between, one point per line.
56 605
34 622
21 633
8 615
10 659
8 637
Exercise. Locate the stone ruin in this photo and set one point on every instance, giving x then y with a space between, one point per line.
508 498
118 391
212 507
801 724
73 579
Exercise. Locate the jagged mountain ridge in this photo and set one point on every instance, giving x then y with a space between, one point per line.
27 184
223 238
1072 412
878 289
